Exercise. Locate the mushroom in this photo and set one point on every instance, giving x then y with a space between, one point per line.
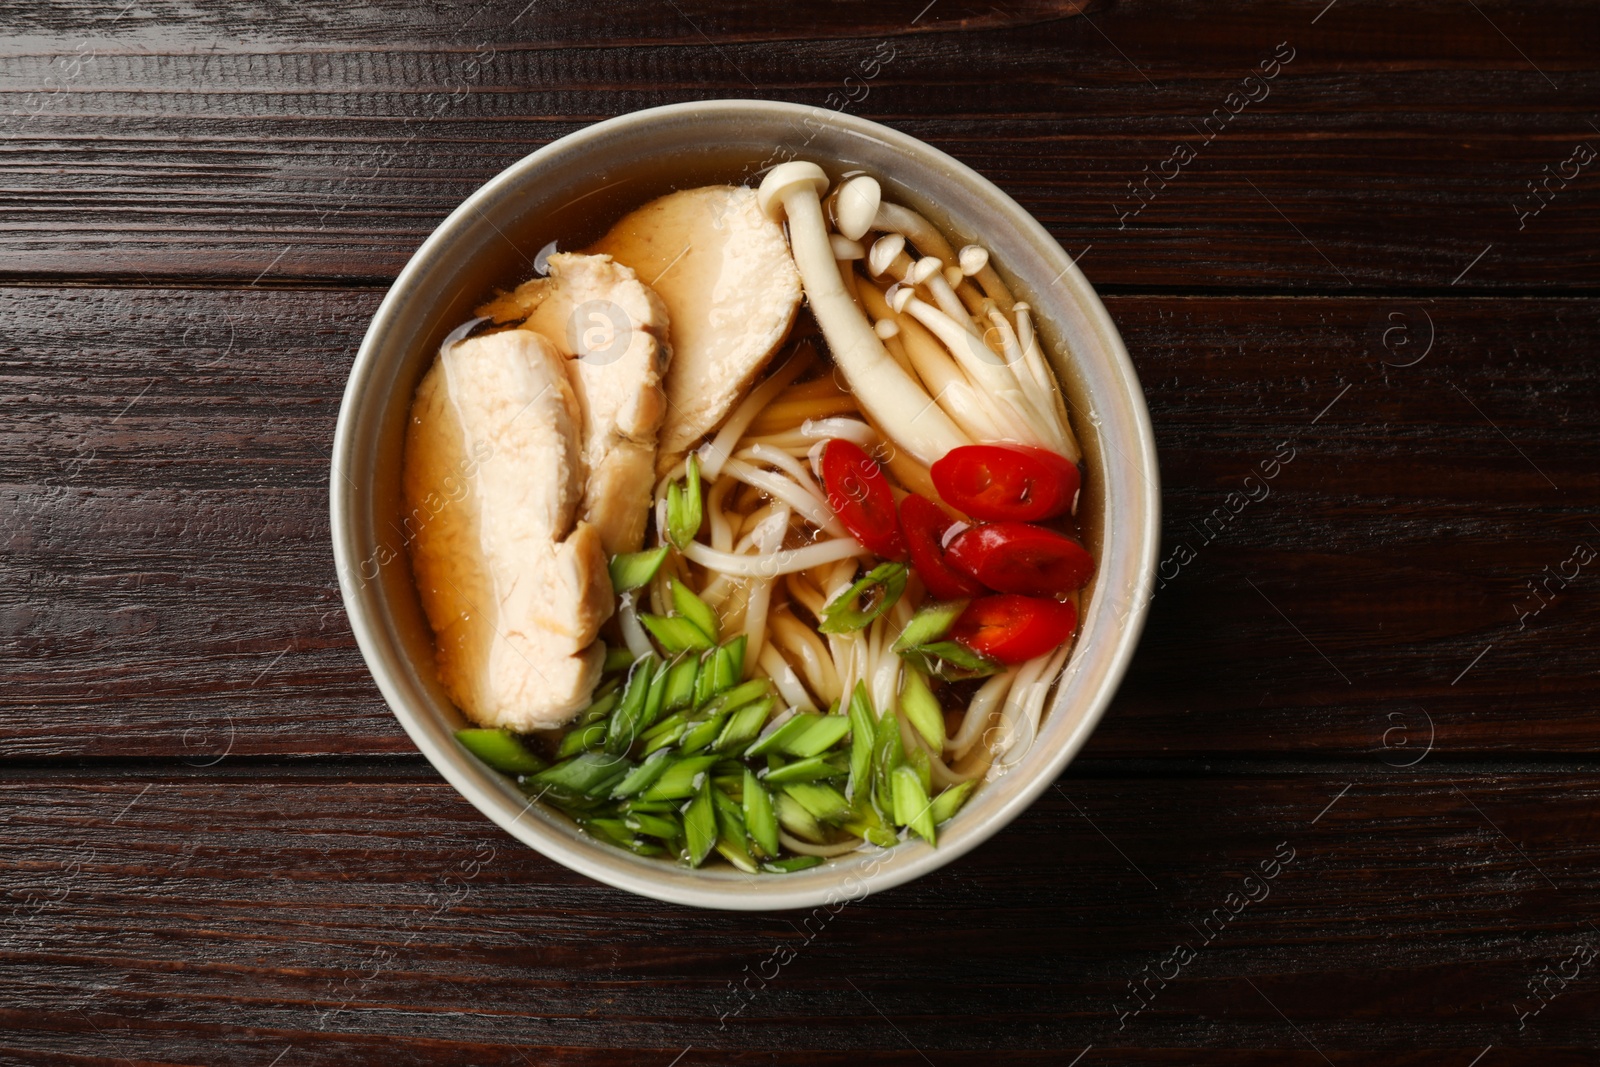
929 273
971 410
854 204
975 264
886 392
990 375
892 218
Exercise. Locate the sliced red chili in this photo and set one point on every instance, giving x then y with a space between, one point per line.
1016 483
925 523
1017 557
1014 629
859 495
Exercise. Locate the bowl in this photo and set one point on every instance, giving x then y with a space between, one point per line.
572 189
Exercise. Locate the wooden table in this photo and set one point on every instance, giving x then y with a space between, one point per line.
1377 684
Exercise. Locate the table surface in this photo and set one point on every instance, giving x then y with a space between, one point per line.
1378 682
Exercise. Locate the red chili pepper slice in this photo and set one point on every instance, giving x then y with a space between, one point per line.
1006 483
1014 629
925 523
859 494
1017 557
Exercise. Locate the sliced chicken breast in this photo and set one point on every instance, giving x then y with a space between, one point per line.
730 286
513 582
612 329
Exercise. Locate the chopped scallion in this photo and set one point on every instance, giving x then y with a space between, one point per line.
634 569
501 750
882 586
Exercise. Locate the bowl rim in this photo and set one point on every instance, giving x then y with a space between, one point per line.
910 860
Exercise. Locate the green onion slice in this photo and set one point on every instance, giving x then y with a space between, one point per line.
631 570
684 510
881 586
501 750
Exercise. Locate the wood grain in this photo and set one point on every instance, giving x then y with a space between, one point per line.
1393 150
169 587
217 847
347 915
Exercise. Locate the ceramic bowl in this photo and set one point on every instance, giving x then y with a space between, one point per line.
570 190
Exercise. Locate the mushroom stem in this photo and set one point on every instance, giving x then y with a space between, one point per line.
994 288
893 218
886 392
989 373
974 412
929 273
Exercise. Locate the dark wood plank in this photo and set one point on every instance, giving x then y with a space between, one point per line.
1392 150
168 587
347 916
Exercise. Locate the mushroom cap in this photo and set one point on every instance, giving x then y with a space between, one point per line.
885 250
786 178
886 328
845 248
926 268
973 259
899 296
855 204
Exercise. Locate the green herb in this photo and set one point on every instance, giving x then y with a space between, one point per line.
743 725
683 505
947 803
701 734
654 825
589 773
790 864
680 780
501 750
678 689
951 660
921 646
634 569
675 633
929 624
887 754
618 659
778 738
689 605
644 775
881 586
797 820
699 826
922 709
861 733
629 716
739 695
822 801
911 805
581 738
759 820
657 697
805 770
865 823
727 665
819 736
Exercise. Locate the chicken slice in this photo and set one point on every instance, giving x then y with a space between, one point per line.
613 330
513 583
730 286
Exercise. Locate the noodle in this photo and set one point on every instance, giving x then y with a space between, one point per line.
784 677
801 641
781 487
979 710
773 563
721 447
806 848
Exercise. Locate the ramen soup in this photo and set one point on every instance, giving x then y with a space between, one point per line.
748 529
